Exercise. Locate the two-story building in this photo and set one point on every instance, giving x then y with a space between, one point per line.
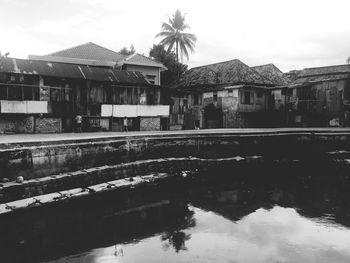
46 96
317 97
92 54
224 95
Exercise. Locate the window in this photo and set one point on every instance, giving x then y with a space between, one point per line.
230 92
196 99
259 94
129 96
246 97
215 96
151 78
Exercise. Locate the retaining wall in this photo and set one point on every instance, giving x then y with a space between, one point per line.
35 160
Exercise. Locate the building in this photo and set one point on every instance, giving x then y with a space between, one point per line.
317 97
45 96
92 54
224 95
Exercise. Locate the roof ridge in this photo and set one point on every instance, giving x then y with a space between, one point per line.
50 54
235 59
106 48
130 56
267 64
84 44
341 65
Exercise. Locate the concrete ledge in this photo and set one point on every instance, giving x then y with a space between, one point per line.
76 193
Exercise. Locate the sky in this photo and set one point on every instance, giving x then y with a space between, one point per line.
290 34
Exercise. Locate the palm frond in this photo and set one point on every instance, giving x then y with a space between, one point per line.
164 34
183 49
167 27
190 36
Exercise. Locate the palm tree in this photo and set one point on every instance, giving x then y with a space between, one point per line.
173 33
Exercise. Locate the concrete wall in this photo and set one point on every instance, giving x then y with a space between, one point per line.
47 158
16 124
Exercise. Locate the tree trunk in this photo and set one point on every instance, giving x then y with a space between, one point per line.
177 51
177 59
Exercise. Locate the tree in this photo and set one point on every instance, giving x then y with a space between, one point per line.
173 35
5 55
168 58
348 60
127 52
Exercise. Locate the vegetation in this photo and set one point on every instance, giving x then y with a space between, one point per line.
127 52
4 55
168 58
174 36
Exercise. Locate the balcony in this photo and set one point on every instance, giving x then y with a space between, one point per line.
132 111
24 107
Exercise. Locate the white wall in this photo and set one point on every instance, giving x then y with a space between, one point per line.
25 107
132 111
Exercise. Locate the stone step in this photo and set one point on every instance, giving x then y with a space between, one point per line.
11 191
66 195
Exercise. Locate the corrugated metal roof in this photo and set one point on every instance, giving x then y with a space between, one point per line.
74 71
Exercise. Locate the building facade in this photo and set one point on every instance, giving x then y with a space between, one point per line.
317 97
224 95
45 96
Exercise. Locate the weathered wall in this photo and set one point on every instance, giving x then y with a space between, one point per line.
48 125
38 160
150 124
16 123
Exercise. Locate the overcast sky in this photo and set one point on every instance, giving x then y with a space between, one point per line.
291 34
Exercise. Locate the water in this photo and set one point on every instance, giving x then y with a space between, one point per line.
288 215
266 235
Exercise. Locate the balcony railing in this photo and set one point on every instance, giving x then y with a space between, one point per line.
130 111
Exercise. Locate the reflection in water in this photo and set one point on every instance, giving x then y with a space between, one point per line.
271 217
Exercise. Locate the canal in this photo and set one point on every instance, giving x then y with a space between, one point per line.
289 212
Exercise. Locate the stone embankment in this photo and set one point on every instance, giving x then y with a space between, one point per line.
66 170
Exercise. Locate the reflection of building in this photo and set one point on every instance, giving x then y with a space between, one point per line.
45 93
226 94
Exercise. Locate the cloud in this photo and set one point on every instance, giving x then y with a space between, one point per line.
289 34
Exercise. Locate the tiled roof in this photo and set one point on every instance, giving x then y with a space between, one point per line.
339 69
138 59
320 74
64 70
272 73
228 72
93 52
89 51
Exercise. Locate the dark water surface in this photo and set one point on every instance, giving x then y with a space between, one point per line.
265 235
276 214
301 217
